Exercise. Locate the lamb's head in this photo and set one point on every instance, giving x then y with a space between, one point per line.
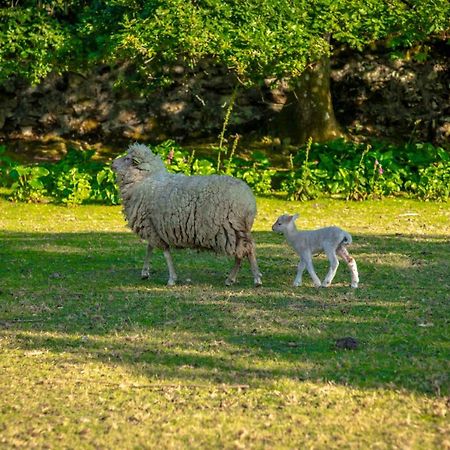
285 223
138 163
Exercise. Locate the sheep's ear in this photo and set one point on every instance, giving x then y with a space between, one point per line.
137 161
144 166
294 217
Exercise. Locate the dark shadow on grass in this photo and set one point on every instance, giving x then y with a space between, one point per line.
85 290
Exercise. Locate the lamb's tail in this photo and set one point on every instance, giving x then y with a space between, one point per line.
347 238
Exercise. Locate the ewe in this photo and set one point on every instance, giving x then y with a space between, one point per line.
331 240
173 210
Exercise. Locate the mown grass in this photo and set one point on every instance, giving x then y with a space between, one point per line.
94 357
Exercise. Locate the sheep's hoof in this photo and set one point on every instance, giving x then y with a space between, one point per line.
145 274
325 285
354 285
171 283
258 283
317 285
296 284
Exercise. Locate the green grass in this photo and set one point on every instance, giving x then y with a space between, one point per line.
91 356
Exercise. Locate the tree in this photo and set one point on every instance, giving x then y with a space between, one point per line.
254 39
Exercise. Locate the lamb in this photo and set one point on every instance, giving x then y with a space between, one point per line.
177 211
331 240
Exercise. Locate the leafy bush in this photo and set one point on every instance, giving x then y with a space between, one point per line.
6 165
359 171
28 184
304 183
73 187
256 171
343 169
104 188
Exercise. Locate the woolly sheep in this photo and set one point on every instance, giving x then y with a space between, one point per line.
331 240
178 211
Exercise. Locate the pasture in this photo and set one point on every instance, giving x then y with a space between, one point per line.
94 357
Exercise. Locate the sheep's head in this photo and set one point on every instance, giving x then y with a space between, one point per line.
284 223
138 163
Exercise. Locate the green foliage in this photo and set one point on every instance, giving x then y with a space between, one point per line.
28 184
255 171
255 39
31 43
177 159
337 169
360 171
104 188
432 183
74 180
6 165
304 183
73 187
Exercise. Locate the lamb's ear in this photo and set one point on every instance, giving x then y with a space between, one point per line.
294 217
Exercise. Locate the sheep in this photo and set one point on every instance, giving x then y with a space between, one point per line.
214 212
331 240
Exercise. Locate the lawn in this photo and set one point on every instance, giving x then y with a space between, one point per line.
91 356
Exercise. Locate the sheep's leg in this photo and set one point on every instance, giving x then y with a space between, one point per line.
254 268
231 279
334 264
351 263
146 269
172 275
307 258
300 269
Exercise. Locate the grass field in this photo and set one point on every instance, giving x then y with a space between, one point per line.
91 356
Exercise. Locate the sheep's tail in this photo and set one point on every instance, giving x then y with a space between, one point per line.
244 245
347 238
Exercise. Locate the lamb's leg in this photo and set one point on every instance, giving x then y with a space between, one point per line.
300 269
231 279
254 268
334 264
172 274
307 258
146 269
344 254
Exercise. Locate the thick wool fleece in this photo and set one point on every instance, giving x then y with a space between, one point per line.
173 210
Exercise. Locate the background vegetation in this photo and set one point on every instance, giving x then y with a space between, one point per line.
253 39
337 169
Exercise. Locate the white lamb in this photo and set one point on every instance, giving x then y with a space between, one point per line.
331 240
173 210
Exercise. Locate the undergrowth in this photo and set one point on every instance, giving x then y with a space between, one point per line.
338 169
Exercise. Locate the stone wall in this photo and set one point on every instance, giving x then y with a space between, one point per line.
373 95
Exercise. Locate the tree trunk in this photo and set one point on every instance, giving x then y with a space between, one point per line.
308 111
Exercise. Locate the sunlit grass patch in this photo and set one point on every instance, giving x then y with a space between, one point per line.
93 356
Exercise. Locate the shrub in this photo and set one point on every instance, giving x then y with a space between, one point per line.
339 169
28 183
359 171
